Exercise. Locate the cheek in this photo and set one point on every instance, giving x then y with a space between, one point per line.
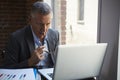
37 29
46 30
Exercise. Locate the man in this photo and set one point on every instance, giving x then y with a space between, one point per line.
35 45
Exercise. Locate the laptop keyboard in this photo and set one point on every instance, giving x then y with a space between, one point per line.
50 74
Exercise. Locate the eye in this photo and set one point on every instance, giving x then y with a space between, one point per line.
48 24
40 24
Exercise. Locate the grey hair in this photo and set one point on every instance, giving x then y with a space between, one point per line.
41 7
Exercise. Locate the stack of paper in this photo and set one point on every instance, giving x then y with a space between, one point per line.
17 74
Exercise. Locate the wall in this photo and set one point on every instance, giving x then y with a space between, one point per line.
13 15
59 12
118 74
87 28
108 32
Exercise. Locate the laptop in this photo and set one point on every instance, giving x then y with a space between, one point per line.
76 62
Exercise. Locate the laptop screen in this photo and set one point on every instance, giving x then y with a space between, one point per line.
77 62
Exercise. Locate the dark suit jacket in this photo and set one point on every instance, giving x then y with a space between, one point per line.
21 45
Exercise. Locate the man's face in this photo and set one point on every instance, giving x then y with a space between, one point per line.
40 24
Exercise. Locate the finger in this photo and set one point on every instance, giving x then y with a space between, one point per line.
37 53
40 49
41 57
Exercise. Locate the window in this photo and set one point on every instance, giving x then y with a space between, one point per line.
81 11
76 20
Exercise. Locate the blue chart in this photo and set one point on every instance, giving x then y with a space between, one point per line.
17 74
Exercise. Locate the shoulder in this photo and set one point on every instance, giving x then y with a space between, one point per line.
20 33
53 31
53 34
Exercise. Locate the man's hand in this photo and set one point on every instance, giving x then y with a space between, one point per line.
36 56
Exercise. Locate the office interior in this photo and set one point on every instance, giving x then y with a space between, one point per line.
108 30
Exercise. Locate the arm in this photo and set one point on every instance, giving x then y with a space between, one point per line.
54 51
11 55
57 43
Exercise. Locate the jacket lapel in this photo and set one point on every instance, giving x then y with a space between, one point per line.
30 42
50 45
29 39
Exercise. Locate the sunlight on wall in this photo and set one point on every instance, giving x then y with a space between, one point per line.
81 33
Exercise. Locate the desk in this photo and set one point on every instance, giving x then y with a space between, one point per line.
43 78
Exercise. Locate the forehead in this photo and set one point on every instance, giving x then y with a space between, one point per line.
41 17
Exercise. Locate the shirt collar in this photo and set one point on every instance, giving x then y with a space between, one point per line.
36 39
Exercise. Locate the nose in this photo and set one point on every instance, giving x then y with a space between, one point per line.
44 27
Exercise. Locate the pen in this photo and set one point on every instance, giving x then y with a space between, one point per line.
35 72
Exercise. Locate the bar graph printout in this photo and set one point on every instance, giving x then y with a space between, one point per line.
17 74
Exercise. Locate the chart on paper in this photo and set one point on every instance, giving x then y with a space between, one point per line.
17 74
